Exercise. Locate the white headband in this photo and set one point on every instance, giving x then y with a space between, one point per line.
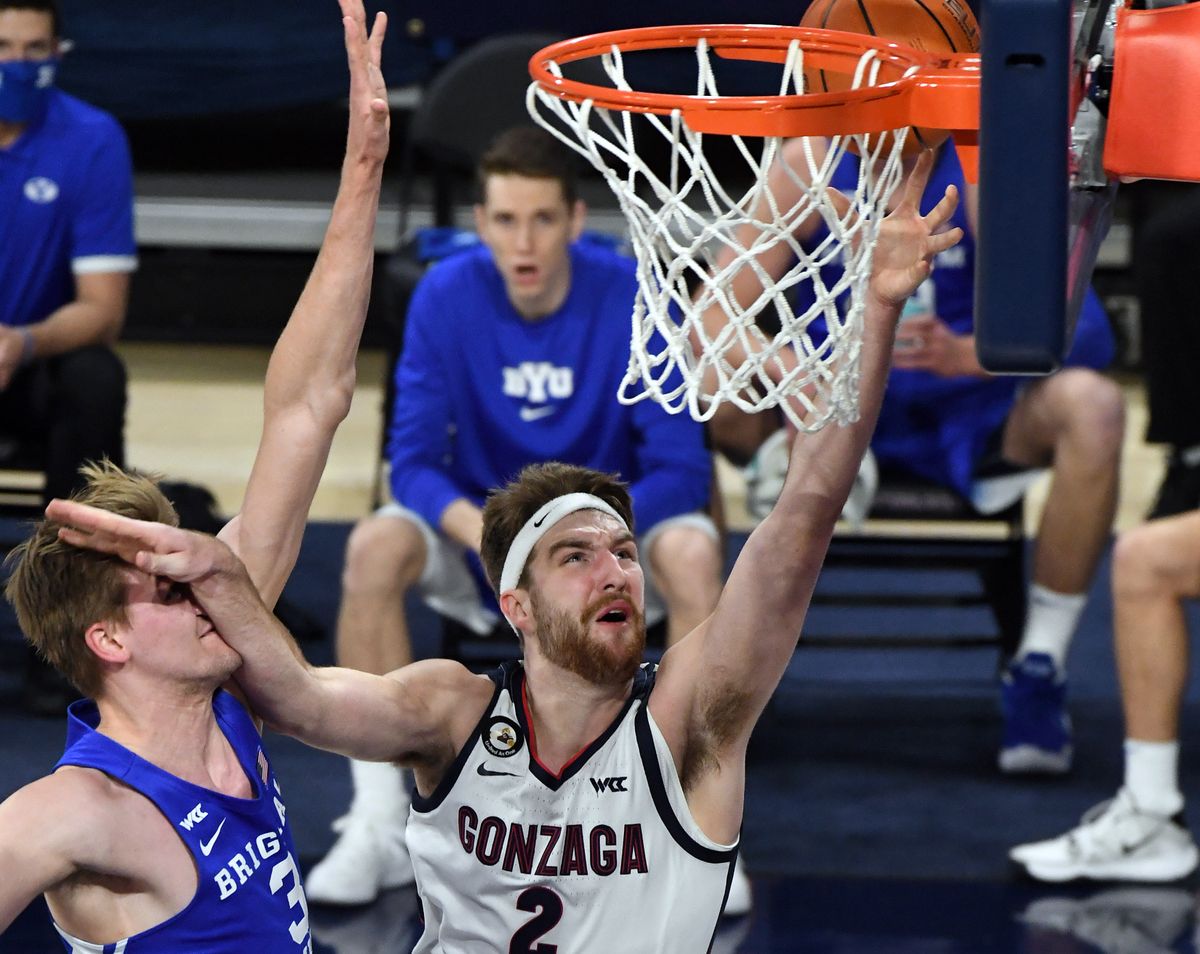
539 525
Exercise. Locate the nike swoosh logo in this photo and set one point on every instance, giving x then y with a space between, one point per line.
485 771
535 413
206 847
1129 849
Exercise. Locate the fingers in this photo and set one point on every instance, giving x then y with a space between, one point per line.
838 201
355 39
353 10
105 532
365 49
940 241
378 32
100 542
354 24
354 21
914 185
176 565
130 551
154 548
940 213
92 519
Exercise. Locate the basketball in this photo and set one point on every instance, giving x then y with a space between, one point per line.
932 26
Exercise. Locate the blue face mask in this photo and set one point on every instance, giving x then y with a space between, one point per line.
25 88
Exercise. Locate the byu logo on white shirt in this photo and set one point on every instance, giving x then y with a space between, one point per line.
41 190
536 381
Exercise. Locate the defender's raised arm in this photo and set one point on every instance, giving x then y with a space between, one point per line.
311 376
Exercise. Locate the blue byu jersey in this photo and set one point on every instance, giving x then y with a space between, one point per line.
481 392
249 896
66 208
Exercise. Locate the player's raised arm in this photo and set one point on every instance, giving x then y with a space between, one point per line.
311 376
713 686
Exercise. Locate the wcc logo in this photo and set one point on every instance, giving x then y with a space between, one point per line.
614 784
194 817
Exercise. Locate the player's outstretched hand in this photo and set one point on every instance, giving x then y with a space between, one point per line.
908 240
370 121
154 548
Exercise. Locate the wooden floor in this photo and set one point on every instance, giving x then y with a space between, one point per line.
195 413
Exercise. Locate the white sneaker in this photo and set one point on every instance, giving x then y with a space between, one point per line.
768 469
766 472
369 857
862 492
1115 841
738 902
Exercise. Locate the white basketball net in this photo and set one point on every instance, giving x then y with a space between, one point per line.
685 230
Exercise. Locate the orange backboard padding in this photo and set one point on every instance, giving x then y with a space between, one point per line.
1154 113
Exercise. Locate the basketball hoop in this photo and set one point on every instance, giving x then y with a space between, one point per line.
684 221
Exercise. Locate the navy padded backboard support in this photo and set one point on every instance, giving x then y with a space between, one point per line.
1021 256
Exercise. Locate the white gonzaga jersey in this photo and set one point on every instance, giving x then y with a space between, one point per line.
603 857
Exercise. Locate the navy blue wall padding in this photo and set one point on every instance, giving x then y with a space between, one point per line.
1021 257
477 20
176 58
181 58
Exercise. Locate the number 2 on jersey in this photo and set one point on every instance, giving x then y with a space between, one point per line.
549 908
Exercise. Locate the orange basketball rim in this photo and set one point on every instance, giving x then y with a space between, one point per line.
911 88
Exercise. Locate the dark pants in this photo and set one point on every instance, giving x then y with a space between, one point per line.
72 409
1167 272
61 412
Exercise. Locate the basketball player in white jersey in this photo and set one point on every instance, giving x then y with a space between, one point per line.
574 800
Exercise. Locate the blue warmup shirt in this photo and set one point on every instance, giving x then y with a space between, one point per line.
481 392
941 428
66 208
249 896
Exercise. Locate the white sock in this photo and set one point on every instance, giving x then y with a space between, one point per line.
1050 623
380 791
1151 775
